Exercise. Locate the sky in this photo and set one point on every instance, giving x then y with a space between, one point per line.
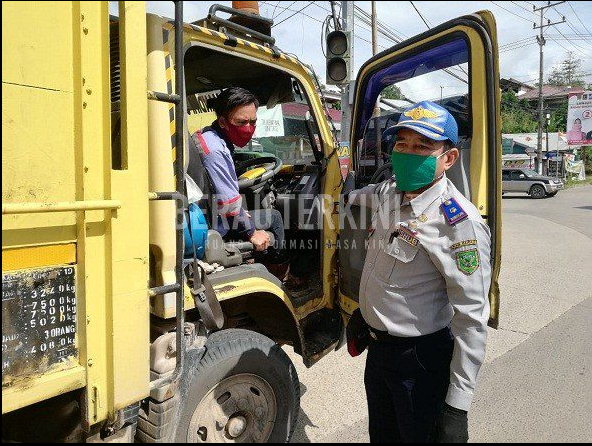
300 33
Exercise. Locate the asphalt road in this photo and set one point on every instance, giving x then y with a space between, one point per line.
536 384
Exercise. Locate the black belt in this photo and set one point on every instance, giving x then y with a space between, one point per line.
383 336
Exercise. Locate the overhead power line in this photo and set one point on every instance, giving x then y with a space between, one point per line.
578 17
386 30
283 8
568 22
511 12
296 13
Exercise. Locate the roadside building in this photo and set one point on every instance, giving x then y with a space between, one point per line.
553 96
519 88
519 150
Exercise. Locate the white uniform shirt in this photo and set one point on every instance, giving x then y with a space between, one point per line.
439 276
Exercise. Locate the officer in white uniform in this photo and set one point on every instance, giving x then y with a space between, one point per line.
425 286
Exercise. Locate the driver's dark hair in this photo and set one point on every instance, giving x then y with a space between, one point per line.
231 98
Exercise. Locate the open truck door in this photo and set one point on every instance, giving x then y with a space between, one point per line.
461 58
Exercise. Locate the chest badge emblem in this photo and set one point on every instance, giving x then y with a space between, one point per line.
468 261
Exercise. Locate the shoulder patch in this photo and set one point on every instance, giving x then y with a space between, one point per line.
468 261
463 244
453 212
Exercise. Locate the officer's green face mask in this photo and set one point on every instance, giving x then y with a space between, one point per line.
413 172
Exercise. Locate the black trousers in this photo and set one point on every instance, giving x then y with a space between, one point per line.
264 220
406 382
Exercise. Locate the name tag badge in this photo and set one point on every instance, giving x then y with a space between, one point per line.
408 236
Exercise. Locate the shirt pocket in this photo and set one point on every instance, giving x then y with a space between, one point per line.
397 264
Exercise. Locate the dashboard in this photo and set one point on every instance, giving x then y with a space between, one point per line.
297 191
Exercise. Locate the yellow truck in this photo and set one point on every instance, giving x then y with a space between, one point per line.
124 315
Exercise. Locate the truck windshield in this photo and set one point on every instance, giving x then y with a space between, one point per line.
287 130
282 132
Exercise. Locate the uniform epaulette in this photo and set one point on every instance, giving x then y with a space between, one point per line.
453 211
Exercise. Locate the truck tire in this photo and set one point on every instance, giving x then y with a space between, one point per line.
244 390
537 191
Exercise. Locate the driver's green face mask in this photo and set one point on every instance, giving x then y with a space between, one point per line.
412 172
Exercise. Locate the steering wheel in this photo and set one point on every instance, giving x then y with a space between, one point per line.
257 171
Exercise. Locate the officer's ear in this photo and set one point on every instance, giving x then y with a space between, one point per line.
451 156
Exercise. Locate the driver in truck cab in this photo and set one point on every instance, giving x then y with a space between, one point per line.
236 111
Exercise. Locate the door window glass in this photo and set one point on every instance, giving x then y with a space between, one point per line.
438 74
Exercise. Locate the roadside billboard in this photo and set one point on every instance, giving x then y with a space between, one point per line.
579 119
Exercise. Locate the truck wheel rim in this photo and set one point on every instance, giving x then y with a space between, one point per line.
239 409
538 192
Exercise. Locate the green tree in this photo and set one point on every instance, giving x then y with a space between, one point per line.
587 157
517 116
558 121
569 73
392 92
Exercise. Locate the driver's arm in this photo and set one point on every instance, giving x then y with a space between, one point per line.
220 166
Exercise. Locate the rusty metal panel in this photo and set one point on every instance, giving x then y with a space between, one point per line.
38 322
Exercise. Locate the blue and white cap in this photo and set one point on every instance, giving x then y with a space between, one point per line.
429 119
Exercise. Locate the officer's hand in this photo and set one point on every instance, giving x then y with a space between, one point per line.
261 240
452 426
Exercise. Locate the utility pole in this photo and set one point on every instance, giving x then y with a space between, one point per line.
541 40
347 13
375 51
547 123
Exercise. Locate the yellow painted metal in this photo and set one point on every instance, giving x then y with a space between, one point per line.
36 138
130 233
38 159
244 287
28 146
58 165
42 208
252 174
494 294
93 156
34 66
38 256
160 150
197 121
251 286
44 387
